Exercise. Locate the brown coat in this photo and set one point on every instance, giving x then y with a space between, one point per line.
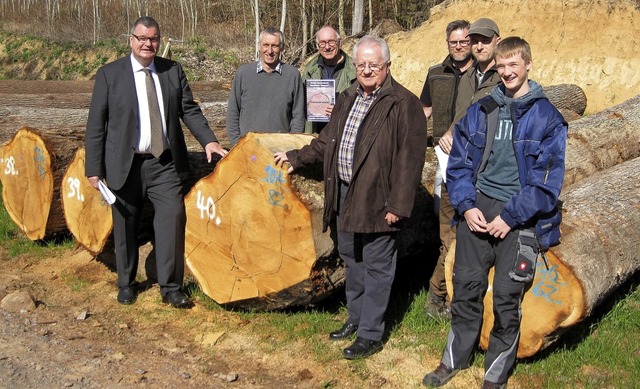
387 164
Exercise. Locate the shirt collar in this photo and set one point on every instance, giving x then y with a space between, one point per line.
277 69
371 95
138 67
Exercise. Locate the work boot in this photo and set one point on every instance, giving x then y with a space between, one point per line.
437 308
492 385
440 376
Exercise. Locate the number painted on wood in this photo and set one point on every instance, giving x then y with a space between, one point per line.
74 189
275 177
10 167
207 207
548 283
40 160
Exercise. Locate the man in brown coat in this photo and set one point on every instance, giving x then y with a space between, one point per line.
373 152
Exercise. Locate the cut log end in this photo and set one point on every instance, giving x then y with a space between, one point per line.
27 182
87 214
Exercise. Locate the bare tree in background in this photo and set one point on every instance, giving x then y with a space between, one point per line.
305 33
256 13
96 21
358 16
341 29
283 15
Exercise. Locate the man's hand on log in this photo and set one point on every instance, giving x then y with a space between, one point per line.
475 220
214 147
280 158
94 181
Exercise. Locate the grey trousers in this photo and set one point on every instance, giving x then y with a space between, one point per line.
475 254
157 180
371 266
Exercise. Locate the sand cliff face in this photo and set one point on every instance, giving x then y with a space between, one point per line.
593 44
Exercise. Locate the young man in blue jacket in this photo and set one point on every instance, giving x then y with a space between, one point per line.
504 176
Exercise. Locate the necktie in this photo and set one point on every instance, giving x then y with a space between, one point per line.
155 117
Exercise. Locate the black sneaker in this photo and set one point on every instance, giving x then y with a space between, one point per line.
440 376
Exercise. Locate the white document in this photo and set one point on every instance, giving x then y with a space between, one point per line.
107 194
443 158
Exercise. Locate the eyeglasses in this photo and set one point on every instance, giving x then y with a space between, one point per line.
464 43
144 39
331 43
374 67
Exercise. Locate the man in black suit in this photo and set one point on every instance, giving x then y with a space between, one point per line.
134 140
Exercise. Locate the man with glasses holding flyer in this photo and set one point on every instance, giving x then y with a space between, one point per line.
329 63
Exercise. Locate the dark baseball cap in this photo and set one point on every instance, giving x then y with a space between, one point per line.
485 27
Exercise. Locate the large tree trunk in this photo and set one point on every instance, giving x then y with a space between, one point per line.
31 181
599 141
254 234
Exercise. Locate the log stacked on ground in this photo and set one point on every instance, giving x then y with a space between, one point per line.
87 214
34 165
254 233
602 140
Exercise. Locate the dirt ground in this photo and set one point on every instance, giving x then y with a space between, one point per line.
79 336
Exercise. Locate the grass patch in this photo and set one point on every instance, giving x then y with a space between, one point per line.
15 243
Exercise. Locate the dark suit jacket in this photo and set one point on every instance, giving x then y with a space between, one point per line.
112 127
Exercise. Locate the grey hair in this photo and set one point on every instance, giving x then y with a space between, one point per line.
146 21
331 27
386 55
272 31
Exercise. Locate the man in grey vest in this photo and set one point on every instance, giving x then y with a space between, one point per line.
438 98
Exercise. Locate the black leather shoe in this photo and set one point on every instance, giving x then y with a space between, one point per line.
127 296
345 332
177 299
362 348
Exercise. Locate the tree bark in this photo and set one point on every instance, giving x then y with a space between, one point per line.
254 234
602 140
567 96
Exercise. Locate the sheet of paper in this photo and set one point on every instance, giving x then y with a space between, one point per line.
108 195
443 158
320 94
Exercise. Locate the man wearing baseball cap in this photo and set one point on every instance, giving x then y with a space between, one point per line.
484 35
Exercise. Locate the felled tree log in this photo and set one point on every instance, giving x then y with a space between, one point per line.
87 214
568 97
34 165
254 234
602 140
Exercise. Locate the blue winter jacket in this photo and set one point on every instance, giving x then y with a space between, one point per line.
539 141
